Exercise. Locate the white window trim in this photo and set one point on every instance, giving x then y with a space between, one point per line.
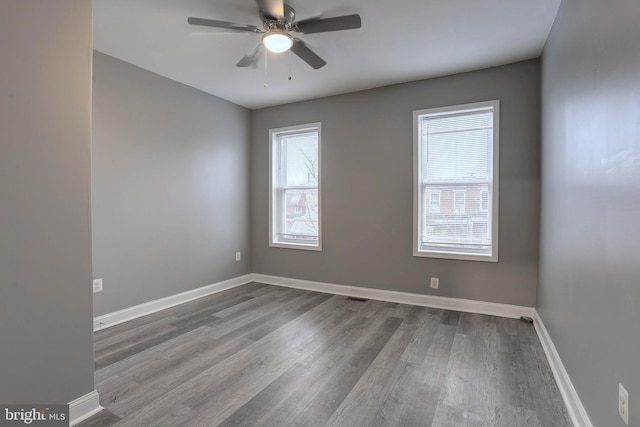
273 179
494 191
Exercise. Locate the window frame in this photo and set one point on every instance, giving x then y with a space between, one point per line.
276 211
456 253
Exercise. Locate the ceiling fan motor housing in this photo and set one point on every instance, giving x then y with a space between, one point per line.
285 22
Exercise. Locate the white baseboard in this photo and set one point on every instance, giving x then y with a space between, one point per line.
84 407
458 304
130 313
577 413
470 306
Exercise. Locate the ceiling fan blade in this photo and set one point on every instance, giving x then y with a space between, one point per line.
307 55
251 58
318 25
271 8
221 24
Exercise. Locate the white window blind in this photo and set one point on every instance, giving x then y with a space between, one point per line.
456 157
295 187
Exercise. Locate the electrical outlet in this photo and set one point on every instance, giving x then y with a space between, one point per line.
623 404
238 256
97 285
435 283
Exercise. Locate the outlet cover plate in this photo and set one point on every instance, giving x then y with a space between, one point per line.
623 404
97 285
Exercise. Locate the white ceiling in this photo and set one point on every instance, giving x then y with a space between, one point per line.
399 41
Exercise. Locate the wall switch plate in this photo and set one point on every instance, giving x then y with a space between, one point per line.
435 283
238 256
623 404
97 285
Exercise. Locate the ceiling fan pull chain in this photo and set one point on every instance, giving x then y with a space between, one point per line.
266 55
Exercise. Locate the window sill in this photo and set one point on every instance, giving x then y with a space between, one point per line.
456 256
301 246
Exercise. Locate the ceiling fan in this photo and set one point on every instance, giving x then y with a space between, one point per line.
278 19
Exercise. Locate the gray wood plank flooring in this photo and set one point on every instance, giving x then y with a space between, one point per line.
260 355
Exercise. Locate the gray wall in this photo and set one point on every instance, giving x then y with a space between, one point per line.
589 293
170 186
367 179
46 353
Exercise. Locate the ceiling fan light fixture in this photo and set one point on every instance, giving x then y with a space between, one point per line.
277 41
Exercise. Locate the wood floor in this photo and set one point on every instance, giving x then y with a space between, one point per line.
272 356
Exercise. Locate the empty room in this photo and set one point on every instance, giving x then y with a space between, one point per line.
339 213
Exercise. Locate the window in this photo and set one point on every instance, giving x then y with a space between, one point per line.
294 204
456 157
484 201
434 202
459 202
